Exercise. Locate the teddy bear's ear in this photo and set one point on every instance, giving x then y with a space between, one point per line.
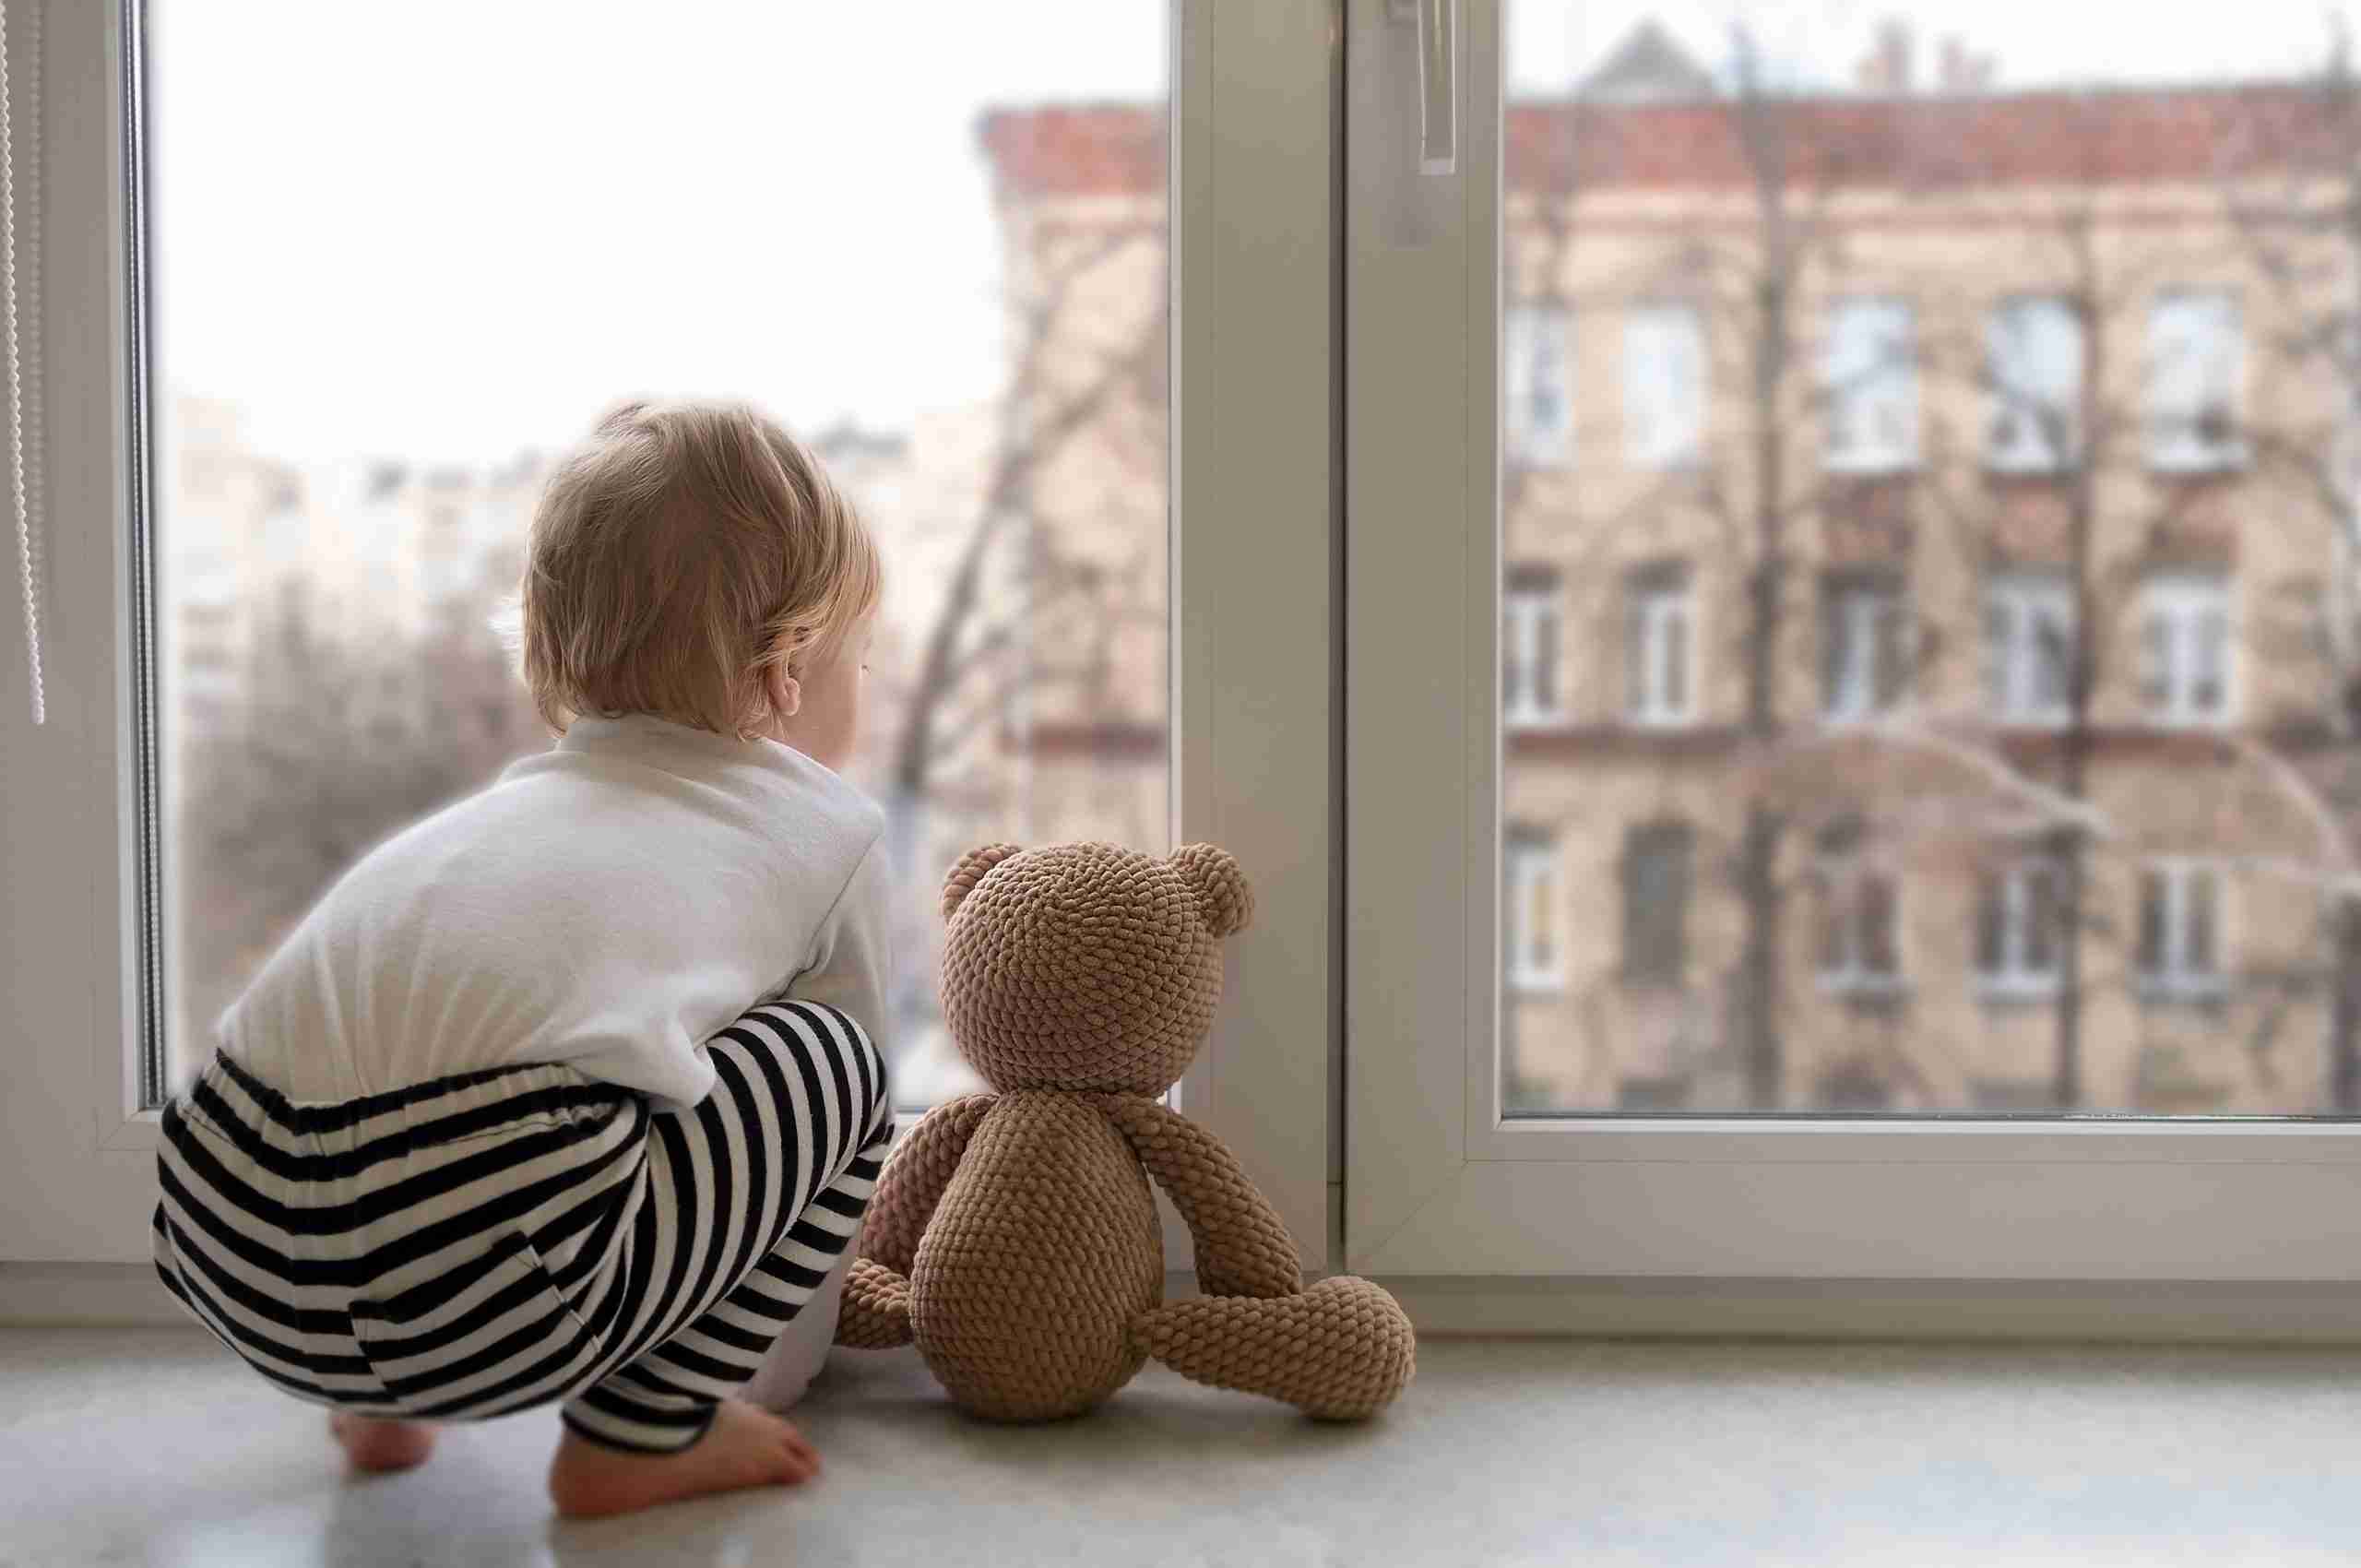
970 872
1223 898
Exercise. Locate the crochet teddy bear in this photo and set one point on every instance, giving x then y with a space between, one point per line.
1013 1235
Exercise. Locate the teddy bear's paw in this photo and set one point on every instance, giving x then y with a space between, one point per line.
876 1310
1338 1351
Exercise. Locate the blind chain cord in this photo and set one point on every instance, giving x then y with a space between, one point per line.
23 329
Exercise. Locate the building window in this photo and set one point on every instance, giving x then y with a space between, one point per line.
1532 627
1870 378
1864 655
2033 364
2185 649
2029 648
1537 342
1656 858
2180 929
1659 648
2195 359
2016 929
1664 381
1536 952
1860 946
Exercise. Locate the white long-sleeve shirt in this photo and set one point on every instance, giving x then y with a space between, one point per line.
610 904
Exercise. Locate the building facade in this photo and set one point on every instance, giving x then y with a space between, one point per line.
1927 620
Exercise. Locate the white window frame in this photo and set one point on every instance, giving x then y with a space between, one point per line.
1531 868
2175 979
2016 978
1540 355
1855 617
2175 611
1866 382
1667 386
1843 877
1531 660
1254 750
2177 440
1642 1223
2034 362
1660 639
2013 676
74 839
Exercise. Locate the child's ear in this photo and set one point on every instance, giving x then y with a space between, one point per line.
785 692
970 872
1223 898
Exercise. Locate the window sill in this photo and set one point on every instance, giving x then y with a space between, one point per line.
1870 467
2206 466
2020 990
1861 719
2296 1312
2018 468
1864 989
2206 993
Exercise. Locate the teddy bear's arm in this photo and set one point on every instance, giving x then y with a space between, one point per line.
1243 1248
913 1181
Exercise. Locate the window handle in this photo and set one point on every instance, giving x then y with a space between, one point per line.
1438 25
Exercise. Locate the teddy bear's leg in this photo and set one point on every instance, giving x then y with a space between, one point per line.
1340 1349
876 1311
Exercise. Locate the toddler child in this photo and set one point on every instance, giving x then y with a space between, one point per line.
493 1128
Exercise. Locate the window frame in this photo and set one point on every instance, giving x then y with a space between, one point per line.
1543 330
1488 1219
2028 595
2174 980
2015 979
1838 416
1531 856
1853 611
1843 875
80 831
2181 601
1252 437
1650 653
1640 321
1675 841
2004 399
1526 607
2170 449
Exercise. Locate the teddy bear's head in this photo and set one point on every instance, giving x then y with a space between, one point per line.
1084 967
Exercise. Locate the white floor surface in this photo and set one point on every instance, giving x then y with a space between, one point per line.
152 1448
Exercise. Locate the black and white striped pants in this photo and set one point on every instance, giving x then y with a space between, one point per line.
500 1239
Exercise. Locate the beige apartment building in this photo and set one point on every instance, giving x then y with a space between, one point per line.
1926 612
1080 197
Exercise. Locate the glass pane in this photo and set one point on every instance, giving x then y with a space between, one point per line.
2196 957
1890 233
405 254
2153 914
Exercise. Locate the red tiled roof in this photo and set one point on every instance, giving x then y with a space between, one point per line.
1092 149
2110 136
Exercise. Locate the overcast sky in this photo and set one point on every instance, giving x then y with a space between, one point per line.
448 229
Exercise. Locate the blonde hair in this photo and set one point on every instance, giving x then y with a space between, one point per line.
678 556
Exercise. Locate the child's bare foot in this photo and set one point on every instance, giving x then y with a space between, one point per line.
375 1444
744 1447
